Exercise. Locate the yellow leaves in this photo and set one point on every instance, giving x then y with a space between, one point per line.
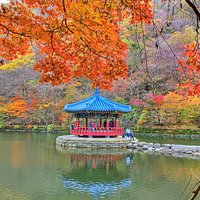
44 106
26 60
194 100
182 109
183 38
192 105
171 96
172 101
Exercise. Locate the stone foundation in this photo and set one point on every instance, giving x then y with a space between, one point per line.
70 141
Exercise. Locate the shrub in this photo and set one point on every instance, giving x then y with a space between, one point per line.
2 125
29 126
16 126
34 127
50 127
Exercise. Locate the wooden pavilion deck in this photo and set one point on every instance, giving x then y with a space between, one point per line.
97 132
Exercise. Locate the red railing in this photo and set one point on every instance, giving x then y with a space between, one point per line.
97 132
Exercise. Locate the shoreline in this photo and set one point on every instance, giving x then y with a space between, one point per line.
181 134
119 143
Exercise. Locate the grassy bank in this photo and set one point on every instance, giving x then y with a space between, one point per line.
168 131
148 131
35 129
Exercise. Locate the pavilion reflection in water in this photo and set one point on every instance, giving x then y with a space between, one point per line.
97 189
97 173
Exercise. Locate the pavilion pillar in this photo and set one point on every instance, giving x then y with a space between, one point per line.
77 122
86 123
107 123
116 124
100 125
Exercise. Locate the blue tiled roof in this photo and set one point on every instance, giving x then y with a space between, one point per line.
97 103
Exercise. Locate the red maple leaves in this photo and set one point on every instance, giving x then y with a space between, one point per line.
191 69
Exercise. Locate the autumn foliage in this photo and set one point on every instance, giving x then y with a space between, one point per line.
190 67
68 40
16 108
74 38
170 109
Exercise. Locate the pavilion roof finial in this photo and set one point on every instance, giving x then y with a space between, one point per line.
96 92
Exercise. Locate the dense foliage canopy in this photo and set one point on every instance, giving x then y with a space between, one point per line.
73 38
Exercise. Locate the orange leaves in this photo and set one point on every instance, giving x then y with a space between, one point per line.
16 108
183 110
141 11
74 38
173 101
191 67
191 88
34 104
192 58
9 50
178 102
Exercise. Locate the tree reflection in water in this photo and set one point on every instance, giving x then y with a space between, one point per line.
97 172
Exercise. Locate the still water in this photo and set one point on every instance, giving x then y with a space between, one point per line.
33 168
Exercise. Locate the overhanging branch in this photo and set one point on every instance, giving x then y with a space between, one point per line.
194 8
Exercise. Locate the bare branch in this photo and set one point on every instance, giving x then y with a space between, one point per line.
194 8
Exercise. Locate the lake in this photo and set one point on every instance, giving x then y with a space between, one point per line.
32 167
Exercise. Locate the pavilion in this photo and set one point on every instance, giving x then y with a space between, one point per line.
97 116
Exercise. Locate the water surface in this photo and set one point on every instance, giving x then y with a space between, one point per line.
33 168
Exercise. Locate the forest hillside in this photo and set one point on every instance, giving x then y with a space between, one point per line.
161 81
